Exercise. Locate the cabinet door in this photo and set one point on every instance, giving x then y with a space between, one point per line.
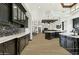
17 46
22 43
15 13
9 47
76 46
1 49
63 41
4 12
56 34
70 44
19 13
27 39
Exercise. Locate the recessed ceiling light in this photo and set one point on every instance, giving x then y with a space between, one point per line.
39 7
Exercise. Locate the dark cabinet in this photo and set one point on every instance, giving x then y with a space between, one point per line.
70 44
4 12
15 12
63 41
1 49
8 48
19 15
14 46
22 42
27 39
48 36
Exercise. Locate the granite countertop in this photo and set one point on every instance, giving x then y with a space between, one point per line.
70 35
7 38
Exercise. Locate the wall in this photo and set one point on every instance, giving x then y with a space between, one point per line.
33 20
28 13
68 19
68 25
51 26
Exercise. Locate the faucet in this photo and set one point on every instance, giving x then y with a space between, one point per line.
74 31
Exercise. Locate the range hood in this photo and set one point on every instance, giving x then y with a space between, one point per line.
49 20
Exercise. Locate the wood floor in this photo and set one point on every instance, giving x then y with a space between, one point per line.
41 46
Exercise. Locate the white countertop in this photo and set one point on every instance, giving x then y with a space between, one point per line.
7 38
70 35
52 31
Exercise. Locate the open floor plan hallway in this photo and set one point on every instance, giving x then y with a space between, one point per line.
41 46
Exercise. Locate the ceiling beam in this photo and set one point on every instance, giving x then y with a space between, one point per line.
68 6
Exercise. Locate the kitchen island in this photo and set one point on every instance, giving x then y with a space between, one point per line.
49 34
70 42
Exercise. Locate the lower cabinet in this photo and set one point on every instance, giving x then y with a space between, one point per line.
57 34
49 36
14 46
1 49
70 44
22 42
63 41
27 39
8 48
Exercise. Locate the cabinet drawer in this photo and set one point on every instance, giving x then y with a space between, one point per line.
22 43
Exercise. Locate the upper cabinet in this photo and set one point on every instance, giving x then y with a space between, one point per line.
4 13
15 13
19 15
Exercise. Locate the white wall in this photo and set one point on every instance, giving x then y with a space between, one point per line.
29 29
33 20
28 13
68 20
51 26
68 25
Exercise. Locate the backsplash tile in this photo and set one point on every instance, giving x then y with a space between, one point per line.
10 30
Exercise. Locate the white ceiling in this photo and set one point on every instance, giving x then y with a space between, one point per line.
44 9
45 6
